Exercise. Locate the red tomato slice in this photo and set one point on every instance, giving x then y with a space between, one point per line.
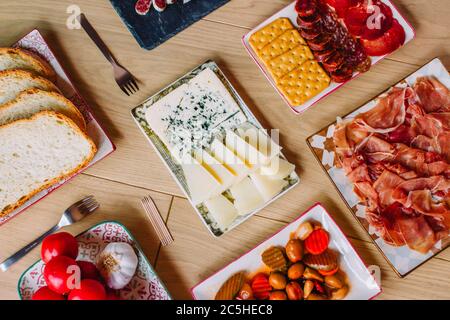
61 274
45 293
59 244
89 290
261 287
88 270
390 41
317 241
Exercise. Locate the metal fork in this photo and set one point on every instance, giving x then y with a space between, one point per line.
73 214
124 79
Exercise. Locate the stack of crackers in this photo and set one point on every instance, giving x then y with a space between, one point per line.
289 60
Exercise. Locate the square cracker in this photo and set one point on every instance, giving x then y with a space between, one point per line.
303 83
287 41
289 61
267 34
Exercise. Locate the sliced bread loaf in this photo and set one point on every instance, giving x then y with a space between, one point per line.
12 82
38 152
16 58
32 101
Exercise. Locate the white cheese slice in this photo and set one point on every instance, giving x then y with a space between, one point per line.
216 169
245 151
202 184
222 211
246 197
229 160
278 168
268 188
260 140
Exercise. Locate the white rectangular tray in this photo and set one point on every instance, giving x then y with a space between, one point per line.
362 284
289 12
138 114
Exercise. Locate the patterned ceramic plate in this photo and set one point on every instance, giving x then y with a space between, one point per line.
145 284
402 259
138 114
36 43
362 284
289 12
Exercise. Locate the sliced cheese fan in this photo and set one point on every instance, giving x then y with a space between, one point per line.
222 211
246 197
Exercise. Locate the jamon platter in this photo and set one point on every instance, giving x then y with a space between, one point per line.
389 160
359 58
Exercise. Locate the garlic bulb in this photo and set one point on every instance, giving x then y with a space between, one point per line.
117 264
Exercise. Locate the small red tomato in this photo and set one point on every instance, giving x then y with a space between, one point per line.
45 293
59 244
88 270
61 274
89 290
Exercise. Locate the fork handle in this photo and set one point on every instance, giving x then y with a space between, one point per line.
22 252
96 38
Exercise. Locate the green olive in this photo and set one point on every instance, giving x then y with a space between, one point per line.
339 294
296 271
277 280
333 281
294 250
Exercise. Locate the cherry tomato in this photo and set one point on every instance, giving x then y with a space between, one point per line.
59 244
88 270
89 290
60 273
45 293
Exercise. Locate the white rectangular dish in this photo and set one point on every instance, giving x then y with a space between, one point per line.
139 114
36 43
362 284
290 13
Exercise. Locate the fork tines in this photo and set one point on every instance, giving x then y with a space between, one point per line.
129 86
87 204
157 222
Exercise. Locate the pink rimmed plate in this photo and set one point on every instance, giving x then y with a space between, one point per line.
362 284
145 285
35 42
289 12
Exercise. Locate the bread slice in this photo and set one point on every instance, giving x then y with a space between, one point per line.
33 101
17 58
38 152
12 82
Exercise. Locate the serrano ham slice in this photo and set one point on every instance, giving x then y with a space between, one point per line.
385 184
433 95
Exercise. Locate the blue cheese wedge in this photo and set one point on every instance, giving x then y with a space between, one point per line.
189 117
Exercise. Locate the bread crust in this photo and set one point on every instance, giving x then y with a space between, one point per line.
71 123
80 119
34 60
26 74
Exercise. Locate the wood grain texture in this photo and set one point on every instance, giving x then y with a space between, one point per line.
128 174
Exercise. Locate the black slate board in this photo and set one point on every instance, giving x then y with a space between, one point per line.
155 27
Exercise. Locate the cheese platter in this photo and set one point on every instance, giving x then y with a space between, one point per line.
216 150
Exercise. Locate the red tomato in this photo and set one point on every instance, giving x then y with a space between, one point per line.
59 244
261 286
88 270
89 290
317 241
45 293
388 42
61 274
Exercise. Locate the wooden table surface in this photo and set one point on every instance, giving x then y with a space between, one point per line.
135 170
